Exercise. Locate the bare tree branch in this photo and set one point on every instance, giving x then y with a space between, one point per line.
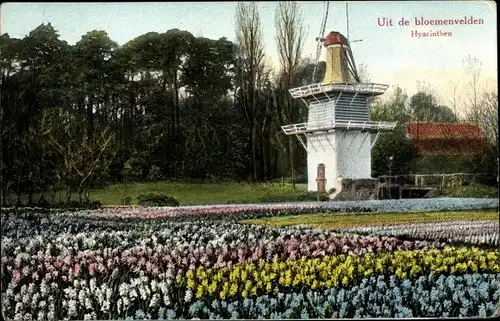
453 97
290 36
472 68
363 74
249 39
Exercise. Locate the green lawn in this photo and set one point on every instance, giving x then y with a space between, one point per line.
191 194
349 220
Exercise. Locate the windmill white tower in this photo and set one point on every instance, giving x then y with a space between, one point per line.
339 133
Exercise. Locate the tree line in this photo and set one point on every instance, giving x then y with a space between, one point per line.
161 106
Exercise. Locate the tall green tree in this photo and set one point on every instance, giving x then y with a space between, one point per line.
92 68
423 107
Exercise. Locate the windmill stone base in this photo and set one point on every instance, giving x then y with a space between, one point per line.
354 189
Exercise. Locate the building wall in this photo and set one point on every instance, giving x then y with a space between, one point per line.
350 161
353 157
318 156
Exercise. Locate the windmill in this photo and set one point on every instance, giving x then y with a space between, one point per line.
338 135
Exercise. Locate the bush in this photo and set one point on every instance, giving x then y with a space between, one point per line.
471 190
396 145
156 199
155 173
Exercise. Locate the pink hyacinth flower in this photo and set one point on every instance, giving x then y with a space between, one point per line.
16 277
76 269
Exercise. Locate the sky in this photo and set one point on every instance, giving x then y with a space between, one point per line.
391 54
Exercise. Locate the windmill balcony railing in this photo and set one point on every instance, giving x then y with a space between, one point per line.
371 126
309 90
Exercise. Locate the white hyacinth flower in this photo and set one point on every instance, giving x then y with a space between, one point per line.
100 296
105 306
188 296
19 308
154 285
41 316
26 298
132 294
72 309
31 288
142 292
51 315
24 289
92 285
166 299
126 303
119 305
109 293
34 300
123 289
154 300
164 287
9 293
44 289
18 316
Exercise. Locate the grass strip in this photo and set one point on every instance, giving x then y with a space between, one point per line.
334 221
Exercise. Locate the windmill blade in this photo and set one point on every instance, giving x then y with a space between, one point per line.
350 61
319 39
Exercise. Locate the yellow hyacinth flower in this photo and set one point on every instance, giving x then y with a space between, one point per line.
472 266
248 285
269 286
212 287
253 291
199 292
233 289
190 284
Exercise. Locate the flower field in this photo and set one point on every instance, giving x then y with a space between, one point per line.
201 262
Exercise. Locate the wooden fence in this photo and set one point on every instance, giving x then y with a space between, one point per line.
440 181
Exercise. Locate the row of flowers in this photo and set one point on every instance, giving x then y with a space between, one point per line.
381 296
39 259
374 297
75 266
252 279
237 282
472 232
59 235
50 238
240 211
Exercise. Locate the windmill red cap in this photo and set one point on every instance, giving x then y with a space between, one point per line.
335 38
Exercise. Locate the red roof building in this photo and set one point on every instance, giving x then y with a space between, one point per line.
445 138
